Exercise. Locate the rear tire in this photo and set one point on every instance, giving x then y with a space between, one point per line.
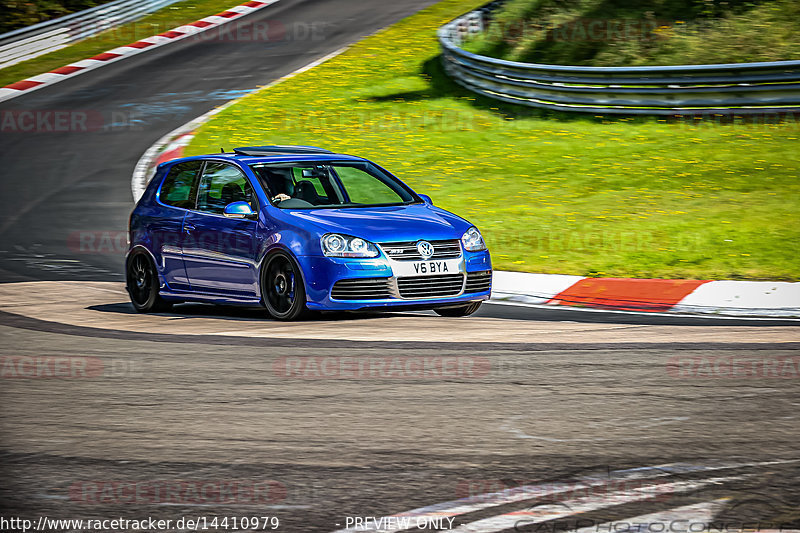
282 290
454 312
142 285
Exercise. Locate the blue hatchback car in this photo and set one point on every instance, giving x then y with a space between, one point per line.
298 229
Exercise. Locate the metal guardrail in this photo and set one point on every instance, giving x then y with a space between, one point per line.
737 88
26 43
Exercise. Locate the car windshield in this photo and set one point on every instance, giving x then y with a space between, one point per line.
315 185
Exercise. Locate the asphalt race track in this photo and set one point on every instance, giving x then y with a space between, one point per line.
534 419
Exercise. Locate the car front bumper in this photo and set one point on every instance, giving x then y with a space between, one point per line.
389 290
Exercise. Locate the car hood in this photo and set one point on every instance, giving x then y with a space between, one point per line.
386 224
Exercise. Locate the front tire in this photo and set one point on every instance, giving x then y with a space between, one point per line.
142 285
282 288
454 312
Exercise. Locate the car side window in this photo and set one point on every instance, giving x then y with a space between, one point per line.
303 174
180 186
222 184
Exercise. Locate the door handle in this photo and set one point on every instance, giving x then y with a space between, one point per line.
188 228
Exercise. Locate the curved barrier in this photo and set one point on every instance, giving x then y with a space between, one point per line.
737 88
27 43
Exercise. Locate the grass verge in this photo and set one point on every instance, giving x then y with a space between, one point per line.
162 20
552 193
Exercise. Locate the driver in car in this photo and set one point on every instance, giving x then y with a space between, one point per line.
281 180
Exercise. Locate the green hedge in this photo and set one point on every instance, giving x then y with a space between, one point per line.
636 32
19 14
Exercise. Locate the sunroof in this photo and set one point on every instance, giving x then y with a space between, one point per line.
270 150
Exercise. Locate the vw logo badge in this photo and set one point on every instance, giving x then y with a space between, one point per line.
425 249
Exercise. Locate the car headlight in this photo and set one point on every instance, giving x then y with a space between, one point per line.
335 245
473 240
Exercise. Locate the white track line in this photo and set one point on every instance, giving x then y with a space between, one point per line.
687 314
527 492
476 503
686 518
554 511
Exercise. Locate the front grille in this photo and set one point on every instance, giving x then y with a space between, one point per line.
361 289
407 250
430 286
479 281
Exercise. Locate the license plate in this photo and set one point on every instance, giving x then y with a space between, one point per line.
426 268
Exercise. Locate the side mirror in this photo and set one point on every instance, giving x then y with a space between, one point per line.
426 198
239 210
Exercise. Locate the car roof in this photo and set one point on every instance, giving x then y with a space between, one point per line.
273 154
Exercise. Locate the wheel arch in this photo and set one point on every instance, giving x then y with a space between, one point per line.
138 248
272 250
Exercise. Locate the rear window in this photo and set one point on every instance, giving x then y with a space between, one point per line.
180 186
